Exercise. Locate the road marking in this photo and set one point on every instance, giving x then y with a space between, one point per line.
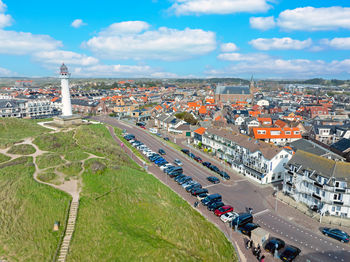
261 212
209 185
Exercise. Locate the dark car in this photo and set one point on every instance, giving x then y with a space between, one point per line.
198 191
179 177
184 180
289 253
185 151
166 138
213 179
215 168
191 155
272 243
211 198
224 175
248 228
202 196
194 186
215 205
207 164
140 123
336 234
161 151
198 159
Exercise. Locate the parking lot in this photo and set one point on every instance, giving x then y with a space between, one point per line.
241 193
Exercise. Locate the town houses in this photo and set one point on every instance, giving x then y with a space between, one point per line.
257 160
314 180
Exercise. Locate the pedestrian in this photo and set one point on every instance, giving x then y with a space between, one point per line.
250 210
262 259
250 243
258 253
196 204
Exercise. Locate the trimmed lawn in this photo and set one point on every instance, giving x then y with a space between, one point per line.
28 211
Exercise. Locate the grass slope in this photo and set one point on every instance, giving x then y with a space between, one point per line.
14 130
128 215
28 211
4 158
22 150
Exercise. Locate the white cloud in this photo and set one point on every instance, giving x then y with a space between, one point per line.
68 57
5 20
313 19
276 67
262 23
242 57
102 70
228 47
187 7
338 43
4 71
124 28
78 23
285 43
2 7
20 43
132 42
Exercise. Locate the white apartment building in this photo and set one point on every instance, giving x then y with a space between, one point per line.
315 180
37 108
255 159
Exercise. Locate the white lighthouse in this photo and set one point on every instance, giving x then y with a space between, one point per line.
64 76
67 118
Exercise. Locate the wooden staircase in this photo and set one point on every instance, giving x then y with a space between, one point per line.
73 212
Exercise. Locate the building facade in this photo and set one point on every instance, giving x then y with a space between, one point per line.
255 159
314 180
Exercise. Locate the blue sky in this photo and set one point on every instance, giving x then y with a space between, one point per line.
176 38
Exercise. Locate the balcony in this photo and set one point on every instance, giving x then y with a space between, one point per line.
340 190
289 183
318 184
316 196
339 203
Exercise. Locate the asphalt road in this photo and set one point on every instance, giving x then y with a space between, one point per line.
242 193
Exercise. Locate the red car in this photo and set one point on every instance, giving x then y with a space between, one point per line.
143 127
223 210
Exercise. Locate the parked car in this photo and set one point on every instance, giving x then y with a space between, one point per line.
211 198
223 210
228 217
224 175
178 162
214 168
314 208
161 151
188 183
207 164
153 130
185 151
202 196
194 186
272 243
184 180
165 166
336 234
140 124
213 179
242 219
179 177
198 159
199 191
166 138
248 228
289 253
191 155
215 205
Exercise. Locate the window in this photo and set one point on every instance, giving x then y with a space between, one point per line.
288 132
296 132
337 184
317 191
261 132
338 208
281 156
333 209
275 133
323 193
